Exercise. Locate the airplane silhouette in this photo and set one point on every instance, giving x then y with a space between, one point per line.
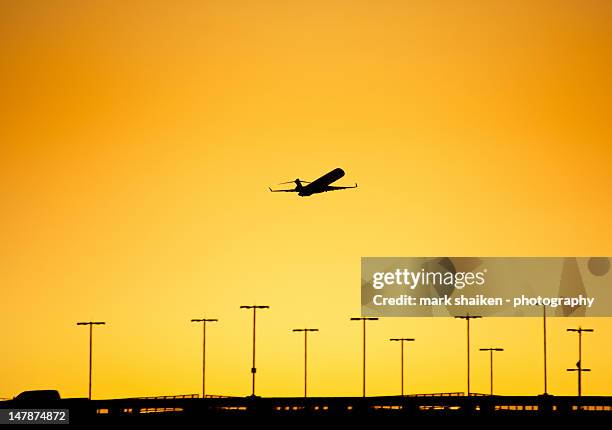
320 185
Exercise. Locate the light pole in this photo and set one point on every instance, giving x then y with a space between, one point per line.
253 368
579 367
545 351
401 340
364 319
467 318
204 321
305 330
491 350
91 324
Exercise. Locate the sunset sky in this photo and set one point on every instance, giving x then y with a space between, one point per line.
138 139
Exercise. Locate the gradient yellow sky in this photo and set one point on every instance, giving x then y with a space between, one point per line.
137 141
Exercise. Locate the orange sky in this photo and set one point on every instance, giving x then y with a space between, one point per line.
138 140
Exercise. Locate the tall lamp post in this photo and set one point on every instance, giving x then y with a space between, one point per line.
90 324
401 340
253 368
364 319
467 318
491 350
204 321
545 351
305 331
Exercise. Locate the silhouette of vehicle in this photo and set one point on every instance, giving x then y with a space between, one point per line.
320 185
38 396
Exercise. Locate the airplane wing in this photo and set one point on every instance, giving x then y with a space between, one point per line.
283 191
332 188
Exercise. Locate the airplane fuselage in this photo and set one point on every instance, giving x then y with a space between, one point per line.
319 185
